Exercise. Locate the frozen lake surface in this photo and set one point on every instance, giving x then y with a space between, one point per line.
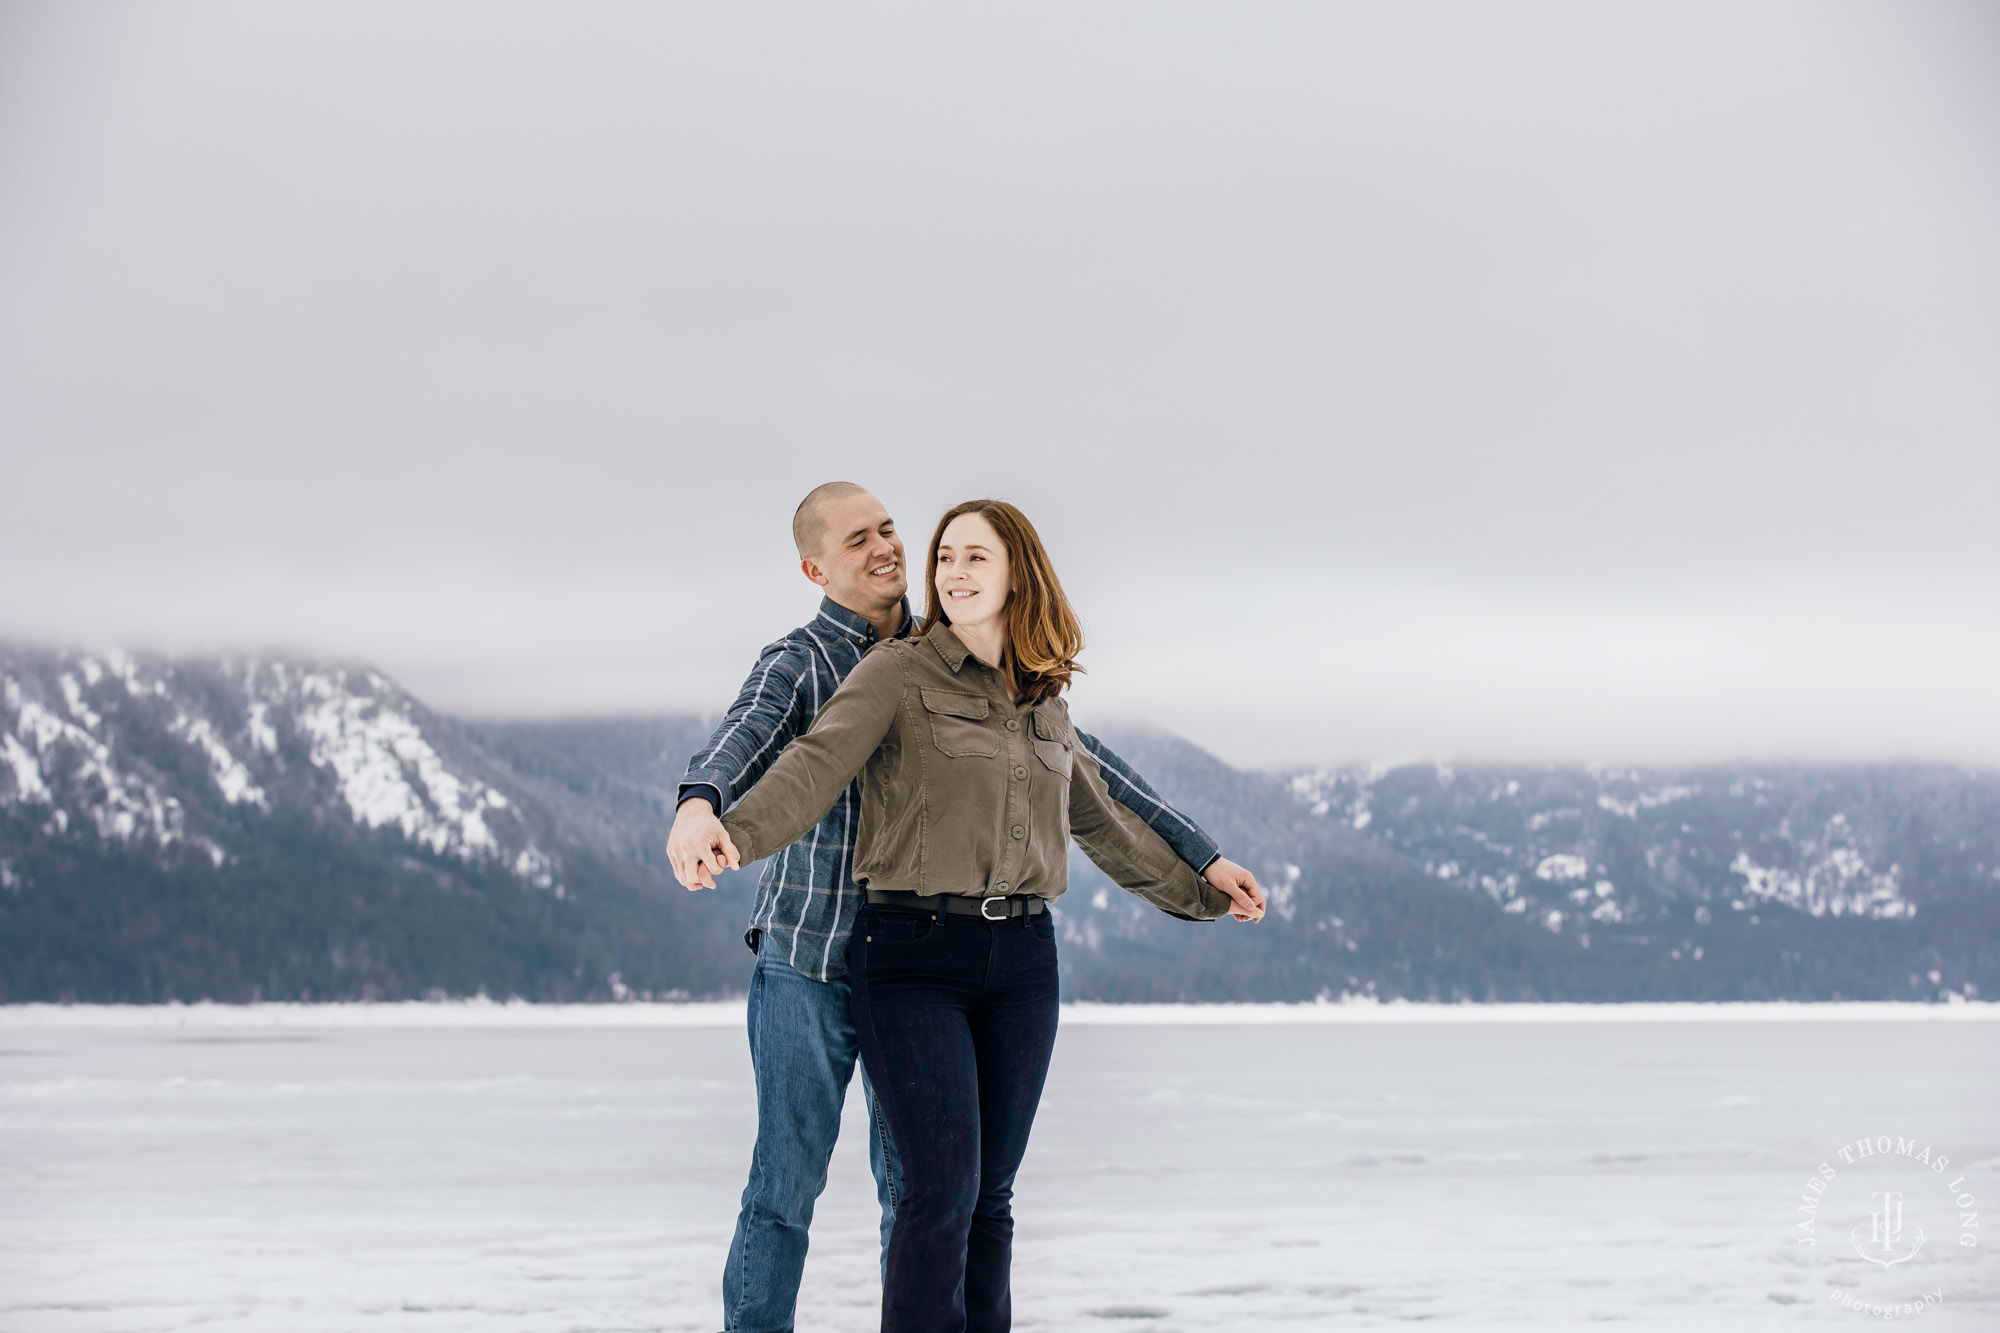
438 1167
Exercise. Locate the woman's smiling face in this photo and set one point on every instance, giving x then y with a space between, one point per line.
971 571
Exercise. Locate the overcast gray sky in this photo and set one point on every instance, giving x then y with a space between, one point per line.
1529 380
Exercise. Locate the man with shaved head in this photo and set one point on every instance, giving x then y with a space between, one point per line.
810 519
803 1046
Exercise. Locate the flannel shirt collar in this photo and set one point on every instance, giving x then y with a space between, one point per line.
855 626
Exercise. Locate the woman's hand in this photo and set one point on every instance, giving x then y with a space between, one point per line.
1240 885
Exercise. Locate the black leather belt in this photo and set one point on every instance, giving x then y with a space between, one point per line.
992 909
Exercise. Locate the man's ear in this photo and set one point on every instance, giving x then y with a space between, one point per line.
811 570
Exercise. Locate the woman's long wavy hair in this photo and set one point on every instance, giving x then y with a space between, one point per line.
1043 636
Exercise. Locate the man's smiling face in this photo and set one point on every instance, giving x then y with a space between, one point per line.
860 560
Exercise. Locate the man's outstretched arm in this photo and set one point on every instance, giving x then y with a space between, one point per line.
769 711
1182 834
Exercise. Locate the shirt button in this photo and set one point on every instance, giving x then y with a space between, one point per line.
1020 772
1013 724
1001 887
1019 832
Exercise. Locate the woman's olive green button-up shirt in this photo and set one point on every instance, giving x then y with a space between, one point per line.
963 791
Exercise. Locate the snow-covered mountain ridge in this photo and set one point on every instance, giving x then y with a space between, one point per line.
1574 845
280 828
103 745
283 828
1502 881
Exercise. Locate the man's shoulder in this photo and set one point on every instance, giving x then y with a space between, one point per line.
800 647
883 661
816 646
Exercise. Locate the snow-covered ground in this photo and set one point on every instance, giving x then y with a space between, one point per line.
502 1167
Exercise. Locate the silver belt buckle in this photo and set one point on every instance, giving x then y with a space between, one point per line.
985 903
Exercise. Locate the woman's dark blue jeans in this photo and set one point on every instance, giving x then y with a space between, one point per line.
957 1020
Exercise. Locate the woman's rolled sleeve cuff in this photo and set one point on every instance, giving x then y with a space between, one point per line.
744 836
1214 903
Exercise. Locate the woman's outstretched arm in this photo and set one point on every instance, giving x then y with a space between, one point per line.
1130 852
803 782
1137 795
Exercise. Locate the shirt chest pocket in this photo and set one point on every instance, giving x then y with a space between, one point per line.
1052 745
958 724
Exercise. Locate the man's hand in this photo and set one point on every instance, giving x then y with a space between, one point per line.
1232 879
699 847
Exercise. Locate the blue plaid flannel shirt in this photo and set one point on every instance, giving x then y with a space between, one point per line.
807 899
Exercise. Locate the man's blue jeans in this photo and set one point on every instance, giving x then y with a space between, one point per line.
803 1050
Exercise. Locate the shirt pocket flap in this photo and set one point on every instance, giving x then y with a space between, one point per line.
955 705
1050 728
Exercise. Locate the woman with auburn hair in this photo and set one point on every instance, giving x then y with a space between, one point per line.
973 782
